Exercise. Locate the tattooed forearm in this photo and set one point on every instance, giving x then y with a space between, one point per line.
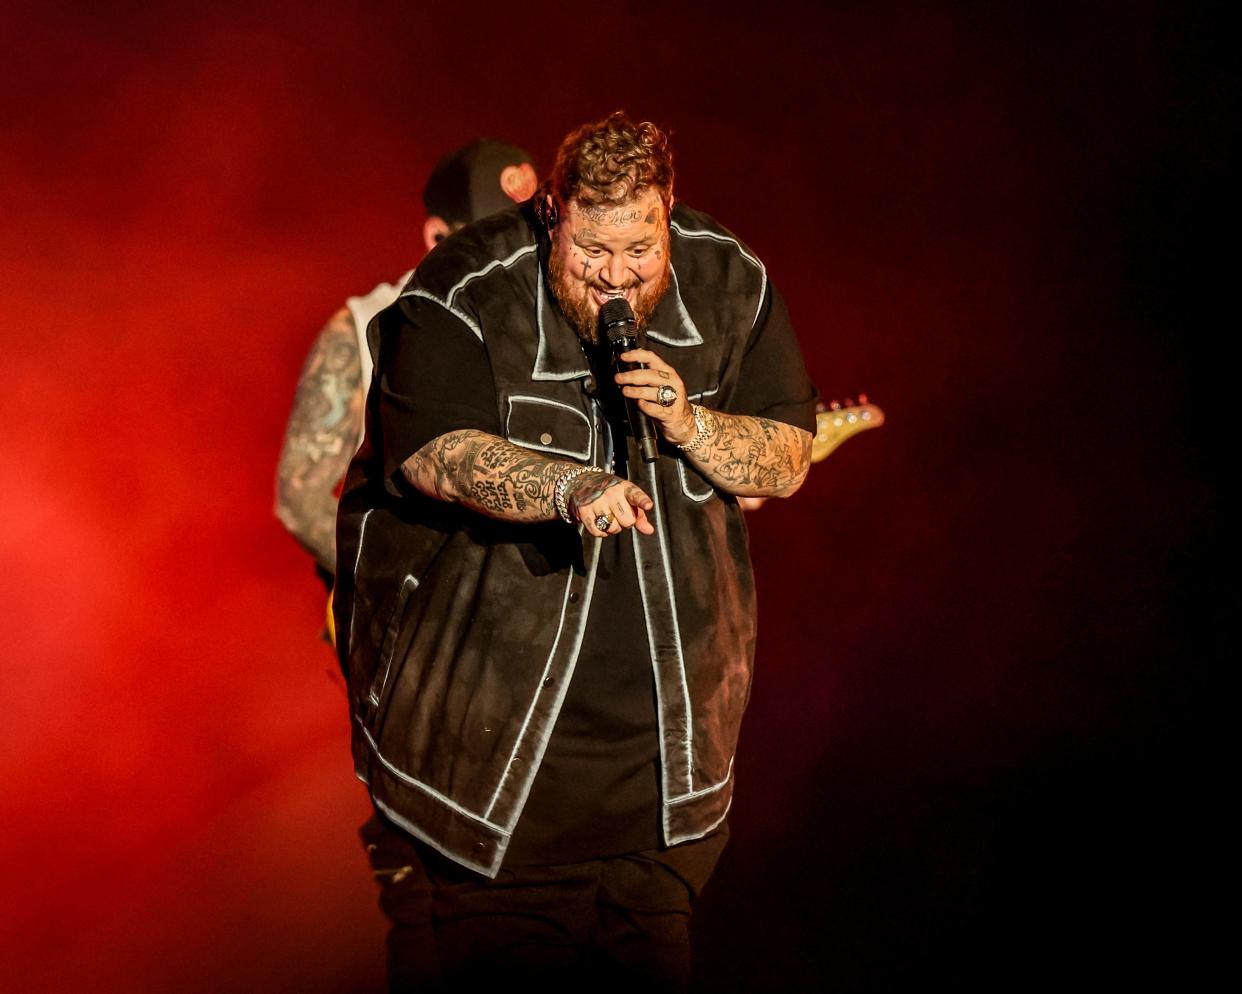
502 480
754 457
487 474
320 438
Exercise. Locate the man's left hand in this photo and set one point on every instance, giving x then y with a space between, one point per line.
676 421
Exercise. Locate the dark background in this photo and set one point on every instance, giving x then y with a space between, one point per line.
970 755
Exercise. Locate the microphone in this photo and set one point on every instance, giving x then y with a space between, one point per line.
618 323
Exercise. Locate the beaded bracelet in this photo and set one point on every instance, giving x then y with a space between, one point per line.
562 486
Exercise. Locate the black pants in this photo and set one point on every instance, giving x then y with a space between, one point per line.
612 922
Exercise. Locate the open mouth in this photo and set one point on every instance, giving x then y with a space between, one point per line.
603 296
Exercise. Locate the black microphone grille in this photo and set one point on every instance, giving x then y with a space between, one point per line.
616 311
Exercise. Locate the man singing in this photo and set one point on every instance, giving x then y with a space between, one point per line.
548 640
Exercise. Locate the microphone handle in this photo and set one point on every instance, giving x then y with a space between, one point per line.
640 424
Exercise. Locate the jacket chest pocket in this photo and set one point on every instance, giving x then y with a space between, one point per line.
548 426
694 485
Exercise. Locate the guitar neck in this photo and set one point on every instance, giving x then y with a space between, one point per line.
836 423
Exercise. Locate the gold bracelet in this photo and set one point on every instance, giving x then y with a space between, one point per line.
704 422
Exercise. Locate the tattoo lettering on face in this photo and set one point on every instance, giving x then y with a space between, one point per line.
586 267
609 215
652 216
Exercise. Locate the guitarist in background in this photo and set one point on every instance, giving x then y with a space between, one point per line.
326 422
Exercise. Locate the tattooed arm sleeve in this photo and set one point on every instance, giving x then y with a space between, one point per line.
324 425
753 457
760 450
494 477
486 474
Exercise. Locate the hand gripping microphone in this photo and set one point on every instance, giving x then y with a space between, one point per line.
617 320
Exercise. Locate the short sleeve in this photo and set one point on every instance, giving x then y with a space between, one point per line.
774 383
433 377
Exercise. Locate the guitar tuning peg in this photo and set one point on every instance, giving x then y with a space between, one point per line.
862 399
820 408
849 401
835 405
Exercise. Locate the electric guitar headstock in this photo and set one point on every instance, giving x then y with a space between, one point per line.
841 420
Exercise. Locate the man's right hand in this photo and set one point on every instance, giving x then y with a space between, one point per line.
593 495
493 476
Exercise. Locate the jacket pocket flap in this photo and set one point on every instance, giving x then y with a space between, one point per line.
548 426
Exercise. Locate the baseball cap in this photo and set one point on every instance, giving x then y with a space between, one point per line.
466 184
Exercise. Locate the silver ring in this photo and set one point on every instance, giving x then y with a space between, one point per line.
666 396
603 522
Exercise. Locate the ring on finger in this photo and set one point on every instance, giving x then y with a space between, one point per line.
666 396
603 522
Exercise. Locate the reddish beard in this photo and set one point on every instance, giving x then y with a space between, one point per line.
574 299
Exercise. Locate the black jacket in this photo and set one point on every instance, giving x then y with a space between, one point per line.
459 634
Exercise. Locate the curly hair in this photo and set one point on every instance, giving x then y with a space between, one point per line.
610 162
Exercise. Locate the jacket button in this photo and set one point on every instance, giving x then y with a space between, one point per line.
546 438
573 598
547 682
